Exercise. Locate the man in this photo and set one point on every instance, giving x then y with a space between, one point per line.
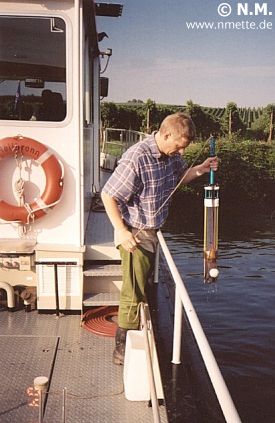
134 198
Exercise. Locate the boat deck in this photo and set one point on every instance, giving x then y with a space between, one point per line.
71 357
33 345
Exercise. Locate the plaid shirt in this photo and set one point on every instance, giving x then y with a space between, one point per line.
142 181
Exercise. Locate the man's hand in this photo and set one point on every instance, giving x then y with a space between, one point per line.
208 164
201 169
125 238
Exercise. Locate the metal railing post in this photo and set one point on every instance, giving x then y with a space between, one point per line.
156 270
121 142
64 397
153 391
177 328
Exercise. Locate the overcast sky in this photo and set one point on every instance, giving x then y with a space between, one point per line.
156 56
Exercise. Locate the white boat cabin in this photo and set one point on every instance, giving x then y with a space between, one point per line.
50 90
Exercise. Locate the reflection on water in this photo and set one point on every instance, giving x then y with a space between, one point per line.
238 312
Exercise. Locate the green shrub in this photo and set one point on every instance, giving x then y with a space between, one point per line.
246 172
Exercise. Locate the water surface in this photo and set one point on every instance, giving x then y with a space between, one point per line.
238 312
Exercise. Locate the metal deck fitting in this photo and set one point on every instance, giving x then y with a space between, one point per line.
23 358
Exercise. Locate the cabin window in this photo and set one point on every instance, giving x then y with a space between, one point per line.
32 68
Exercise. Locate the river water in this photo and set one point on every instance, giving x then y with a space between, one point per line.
237 312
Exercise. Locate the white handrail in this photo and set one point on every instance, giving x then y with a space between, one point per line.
153 392
221 390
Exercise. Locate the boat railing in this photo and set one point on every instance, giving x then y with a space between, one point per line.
151 377
182 301
115 141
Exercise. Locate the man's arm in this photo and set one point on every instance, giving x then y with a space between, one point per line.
123 235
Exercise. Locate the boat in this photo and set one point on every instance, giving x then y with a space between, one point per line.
58 264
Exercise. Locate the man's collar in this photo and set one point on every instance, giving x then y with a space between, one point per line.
153 146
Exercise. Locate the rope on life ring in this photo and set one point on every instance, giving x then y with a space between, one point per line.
32 149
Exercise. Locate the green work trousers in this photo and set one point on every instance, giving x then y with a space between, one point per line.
136 268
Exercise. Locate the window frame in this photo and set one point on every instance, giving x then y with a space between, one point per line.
68 61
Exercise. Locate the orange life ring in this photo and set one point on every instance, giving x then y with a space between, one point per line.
35 150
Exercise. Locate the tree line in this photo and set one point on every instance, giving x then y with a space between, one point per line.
231 121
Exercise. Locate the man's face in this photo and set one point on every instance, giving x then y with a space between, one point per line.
175 143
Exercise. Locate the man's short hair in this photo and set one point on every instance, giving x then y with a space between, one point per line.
179 122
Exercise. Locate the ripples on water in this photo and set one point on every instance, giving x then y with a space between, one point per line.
238 312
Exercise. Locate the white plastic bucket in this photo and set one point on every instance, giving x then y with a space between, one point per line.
136 381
